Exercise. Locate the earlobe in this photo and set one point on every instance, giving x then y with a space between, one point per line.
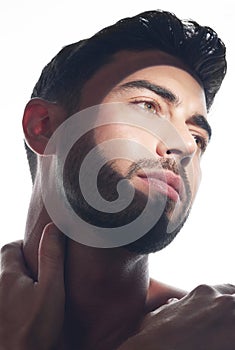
40 120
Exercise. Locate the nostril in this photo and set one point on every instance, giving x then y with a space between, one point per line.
176 152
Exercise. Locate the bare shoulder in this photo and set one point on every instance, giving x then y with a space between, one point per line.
159 293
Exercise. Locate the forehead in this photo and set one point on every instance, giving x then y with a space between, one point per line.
131 65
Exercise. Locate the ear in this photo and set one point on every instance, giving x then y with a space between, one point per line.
41 118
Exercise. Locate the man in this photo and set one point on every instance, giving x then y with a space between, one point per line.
139 91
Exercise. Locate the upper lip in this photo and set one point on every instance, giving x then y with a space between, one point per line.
167 176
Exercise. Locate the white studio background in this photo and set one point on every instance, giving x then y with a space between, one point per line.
31 34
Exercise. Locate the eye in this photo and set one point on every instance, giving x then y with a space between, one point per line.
201 142
148 106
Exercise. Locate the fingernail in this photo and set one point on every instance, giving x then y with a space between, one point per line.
172 300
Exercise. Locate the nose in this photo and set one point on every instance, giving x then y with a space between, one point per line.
180 145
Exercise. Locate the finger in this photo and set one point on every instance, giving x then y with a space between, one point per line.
159 293
12 259
51 256
169 301
150 315
206 290
225 288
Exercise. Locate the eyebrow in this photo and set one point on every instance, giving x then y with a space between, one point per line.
157 89
169 96
201 122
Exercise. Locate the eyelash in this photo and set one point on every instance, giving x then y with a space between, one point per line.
152 103
200 141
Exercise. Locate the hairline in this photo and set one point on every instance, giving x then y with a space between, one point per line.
178 63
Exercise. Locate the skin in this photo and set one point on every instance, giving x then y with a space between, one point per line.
166 71
184 151
131 278
101 283
26 315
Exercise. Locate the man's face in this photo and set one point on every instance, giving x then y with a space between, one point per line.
157 87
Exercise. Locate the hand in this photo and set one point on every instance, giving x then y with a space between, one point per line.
204 319
32 312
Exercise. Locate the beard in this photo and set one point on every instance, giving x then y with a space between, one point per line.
108 178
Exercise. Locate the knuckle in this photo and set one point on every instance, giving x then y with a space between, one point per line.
9 246
5 248
6 278
203 289
226 301
229 288
230 285
225 288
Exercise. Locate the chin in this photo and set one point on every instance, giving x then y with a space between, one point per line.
159 237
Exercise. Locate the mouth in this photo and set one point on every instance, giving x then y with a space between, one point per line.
164 182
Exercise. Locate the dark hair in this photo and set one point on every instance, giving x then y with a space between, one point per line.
196 46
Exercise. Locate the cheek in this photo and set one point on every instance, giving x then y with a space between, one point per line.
195 176
111 131
123 145
125 132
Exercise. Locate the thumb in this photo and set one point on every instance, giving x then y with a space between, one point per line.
51 256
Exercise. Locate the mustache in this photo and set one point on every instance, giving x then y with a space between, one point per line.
159 164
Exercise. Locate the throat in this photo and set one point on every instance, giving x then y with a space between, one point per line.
105 296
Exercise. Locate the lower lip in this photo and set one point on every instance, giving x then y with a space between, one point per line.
162 187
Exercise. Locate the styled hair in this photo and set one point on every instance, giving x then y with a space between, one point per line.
198 47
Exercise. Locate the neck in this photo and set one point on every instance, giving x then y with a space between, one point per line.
106 293
106 289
